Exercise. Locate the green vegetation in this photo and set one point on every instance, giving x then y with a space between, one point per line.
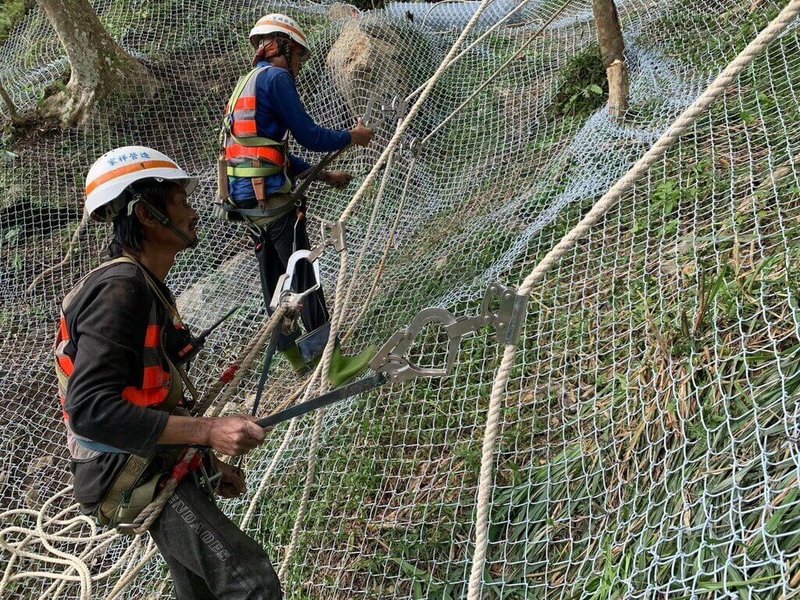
11 12
583 85
657 368
720 34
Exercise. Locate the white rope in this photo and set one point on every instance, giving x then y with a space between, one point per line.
119 565
385 158
472 45
485 481
379 270
368 234
130 574
403 125
497 72
606 202
255 500
322 369
342 300
39 534
220 392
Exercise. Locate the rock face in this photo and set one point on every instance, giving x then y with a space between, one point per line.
376 58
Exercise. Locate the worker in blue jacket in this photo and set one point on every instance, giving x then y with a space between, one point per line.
264 108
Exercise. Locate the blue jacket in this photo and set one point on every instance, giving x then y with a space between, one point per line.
278 108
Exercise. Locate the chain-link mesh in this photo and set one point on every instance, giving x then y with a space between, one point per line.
647 445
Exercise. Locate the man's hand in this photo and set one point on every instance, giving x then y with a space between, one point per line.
231 480
233 436
337 179
361 135
227 435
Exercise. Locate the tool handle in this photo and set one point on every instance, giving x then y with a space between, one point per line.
340 393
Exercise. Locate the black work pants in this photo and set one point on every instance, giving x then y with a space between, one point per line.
208 556
273 248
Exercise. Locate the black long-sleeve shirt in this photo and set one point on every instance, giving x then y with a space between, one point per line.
107 322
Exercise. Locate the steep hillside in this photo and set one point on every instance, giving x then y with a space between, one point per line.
647 440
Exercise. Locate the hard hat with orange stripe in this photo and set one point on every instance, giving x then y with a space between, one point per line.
278 23
114 172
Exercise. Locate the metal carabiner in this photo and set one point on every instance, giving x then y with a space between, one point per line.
283 289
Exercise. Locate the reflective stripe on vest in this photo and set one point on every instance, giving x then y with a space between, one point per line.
156 381
268 153
243 145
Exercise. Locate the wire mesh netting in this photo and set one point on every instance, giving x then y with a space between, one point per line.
647 444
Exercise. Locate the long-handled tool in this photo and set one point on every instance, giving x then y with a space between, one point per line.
195 343
346 391
391 362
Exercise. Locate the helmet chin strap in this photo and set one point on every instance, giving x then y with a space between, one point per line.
163 219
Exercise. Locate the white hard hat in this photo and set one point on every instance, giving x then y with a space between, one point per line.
278 23
112 173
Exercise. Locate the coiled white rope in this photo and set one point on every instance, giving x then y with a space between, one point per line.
70 567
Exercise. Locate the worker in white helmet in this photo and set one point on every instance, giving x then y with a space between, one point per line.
258 173
123 387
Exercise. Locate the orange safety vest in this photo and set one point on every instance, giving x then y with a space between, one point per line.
244 148
156 381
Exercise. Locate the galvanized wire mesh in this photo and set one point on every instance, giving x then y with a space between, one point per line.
647 445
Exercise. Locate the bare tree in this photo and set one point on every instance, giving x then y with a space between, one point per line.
99 66
612 51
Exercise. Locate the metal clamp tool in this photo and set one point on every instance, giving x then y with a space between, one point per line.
391 363
392 358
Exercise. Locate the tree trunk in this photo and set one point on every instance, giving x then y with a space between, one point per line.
99 67
612 51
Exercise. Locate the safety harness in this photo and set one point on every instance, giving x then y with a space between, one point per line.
244 153
161 389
